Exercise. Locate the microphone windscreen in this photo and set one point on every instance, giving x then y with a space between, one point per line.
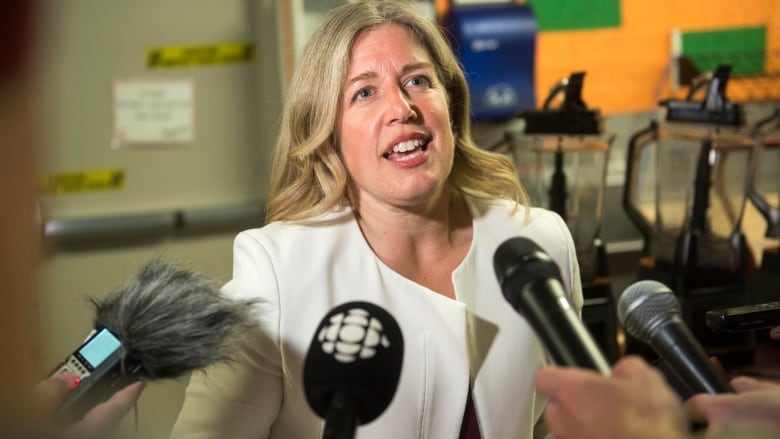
523 260
173 321
357 351
644 305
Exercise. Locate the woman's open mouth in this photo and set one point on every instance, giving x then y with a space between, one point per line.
407 150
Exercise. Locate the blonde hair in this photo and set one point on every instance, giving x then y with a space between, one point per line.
308 177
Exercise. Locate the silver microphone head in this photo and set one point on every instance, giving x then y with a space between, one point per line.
644 305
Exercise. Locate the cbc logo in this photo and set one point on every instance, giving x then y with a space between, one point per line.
352 335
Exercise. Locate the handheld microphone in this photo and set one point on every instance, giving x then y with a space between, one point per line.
162 324
531 283
352 367
649 311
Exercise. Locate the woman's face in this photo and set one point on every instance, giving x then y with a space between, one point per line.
394 130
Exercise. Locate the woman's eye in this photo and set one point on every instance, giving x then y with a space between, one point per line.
419 81
363 93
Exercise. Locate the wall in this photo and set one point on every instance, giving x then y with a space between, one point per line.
644 40
183 201
630 66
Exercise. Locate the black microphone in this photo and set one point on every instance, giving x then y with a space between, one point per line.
531 283
649 311
161 324
352 367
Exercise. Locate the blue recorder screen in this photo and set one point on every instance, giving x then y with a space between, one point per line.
99 348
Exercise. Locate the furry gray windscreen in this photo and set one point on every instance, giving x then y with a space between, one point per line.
174 321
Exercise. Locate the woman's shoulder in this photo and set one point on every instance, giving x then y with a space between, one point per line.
505 219
501 210
328 226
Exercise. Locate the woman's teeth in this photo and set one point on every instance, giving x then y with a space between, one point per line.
407 146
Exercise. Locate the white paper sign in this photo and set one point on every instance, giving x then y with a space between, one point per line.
154 111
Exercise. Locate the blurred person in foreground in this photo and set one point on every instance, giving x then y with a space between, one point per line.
27 404
379 194
636 402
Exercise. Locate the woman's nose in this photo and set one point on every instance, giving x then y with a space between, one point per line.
400 107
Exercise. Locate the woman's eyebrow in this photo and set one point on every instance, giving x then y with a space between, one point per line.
416 66
406 69
361 77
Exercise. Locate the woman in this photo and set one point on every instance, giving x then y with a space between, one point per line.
379 194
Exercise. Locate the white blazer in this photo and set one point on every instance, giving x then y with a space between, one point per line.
477 341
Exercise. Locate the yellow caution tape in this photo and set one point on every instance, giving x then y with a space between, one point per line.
85 181
182 56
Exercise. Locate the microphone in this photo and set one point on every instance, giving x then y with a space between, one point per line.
352 367
162 324
649 311
531 283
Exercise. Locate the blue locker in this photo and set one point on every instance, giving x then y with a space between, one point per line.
496 44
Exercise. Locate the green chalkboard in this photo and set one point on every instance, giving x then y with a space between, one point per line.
743 48
575 14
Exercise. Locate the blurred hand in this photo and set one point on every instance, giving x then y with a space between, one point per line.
753 411
635 402
775 333
48 395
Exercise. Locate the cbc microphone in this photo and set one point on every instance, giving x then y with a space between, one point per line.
649 311
162 324
531 283
352 368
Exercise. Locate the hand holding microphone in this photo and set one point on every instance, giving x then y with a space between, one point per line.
531 283
352 367
583 398
98 422
635 401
